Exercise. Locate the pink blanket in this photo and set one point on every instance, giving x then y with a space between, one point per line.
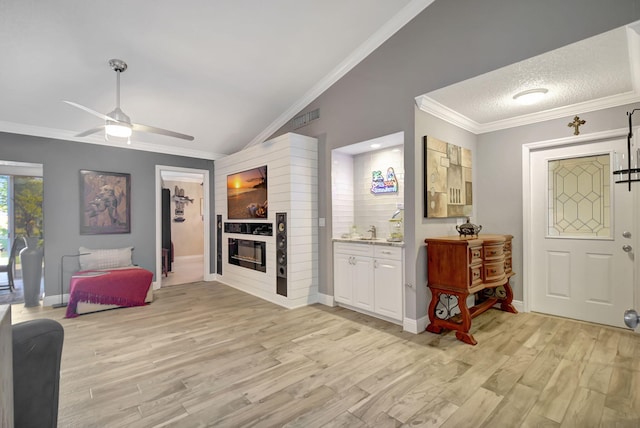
122 287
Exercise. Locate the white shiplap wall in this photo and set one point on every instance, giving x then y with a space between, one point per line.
292 187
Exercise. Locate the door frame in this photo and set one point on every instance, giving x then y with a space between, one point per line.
527 254
206 274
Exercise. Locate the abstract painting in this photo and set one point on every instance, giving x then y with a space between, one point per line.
447 179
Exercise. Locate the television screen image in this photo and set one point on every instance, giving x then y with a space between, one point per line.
247 194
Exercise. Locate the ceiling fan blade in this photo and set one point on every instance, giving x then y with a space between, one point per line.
153 129
88 110
91 131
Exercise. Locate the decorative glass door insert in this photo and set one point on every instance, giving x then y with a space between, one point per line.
579 197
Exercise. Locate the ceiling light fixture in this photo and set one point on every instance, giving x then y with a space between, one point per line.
119 130
530 96
375 146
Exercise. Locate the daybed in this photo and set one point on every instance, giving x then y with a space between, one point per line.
108 280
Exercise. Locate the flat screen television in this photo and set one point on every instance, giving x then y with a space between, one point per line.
247 194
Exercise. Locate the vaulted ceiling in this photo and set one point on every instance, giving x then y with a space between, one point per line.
228 72
232 72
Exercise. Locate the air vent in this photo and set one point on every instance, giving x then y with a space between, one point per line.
304 119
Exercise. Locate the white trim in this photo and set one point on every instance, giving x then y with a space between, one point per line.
60 134
188 258
206 221
326 299
438 110
519 305
407 13
415 326
526 196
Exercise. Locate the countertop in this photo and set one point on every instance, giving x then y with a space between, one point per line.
378 241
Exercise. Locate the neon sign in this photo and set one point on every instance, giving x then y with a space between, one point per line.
381 184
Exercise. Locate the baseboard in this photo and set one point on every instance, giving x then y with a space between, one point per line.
186 258
415 326
54 299
519 305
326 299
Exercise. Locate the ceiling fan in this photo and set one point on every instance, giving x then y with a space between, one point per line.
116 123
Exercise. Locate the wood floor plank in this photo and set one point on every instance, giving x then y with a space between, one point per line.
558 393
585 410
204 354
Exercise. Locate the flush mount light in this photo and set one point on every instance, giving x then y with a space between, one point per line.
375 146
530 96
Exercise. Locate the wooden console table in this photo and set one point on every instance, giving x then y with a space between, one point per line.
458 266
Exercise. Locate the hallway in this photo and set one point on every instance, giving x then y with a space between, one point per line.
185 270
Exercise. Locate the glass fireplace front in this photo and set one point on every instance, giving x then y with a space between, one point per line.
248 254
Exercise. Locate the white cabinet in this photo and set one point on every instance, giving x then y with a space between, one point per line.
369 277
387 282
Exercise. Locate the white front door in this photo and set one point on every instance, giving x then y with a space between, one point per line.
581 225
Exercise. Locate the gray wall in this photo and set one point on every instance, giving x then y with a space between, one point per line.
452 40
61 162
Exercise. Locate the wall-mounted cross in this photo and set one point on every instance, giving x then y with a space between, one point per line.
576 124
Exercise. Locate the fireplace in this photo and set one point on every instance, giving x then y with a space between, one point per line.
248 254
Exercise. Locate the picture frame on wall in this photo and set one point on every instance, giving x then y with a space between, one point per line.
448 184
105 202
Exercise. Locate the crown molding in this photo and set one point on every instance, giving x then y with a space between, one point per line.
372 43
60 134
436 109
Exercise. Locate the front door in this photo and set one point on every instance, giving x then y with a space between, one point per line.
582 234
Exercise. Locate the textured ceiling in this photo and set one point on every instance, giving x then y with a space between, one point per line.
594 73
229 72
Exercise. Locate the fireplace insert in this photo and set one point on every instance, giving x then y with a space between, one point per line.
248 254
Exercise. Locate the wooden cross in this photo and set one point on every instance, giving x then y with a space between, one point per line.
576 124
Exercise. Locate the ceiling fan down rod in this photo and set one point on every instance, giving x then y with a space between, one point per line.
118 66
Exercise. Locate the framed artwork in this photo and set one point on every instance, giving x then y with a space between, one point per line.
105 202
448 184
247 194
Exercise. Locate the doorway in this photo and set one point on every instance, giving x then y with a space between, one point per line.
21 215
185 255
579 232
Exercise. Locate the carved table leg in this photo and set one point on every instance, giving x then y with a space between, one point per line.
441 318
505 304
463 331
432 327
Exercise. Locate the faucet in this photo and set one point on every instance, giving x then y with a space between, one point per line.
372 230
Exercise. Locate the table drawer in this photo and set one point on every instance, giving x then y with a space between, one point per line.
475 255
493 251
493 271
507 265
475 275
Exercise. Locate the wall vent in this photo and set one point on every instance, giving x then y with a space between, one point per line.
305 118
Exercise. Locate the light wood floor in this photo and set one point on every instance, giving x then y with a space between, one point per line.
207 355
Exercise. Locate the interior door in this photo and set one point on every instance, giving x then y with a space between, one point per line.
582 235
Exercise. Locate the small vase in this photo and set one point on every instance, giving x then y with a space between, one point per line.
31 261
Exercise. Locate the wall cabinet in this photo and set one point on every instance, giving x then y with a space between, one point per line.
369 278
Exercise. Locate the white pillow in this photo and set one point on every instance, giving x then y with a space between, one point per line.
104 258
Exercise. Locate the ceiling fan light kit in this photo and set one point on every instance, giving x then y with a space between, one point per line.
118 126
530 96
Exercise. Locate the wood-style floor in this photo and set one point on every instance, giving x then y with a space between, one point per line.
205 354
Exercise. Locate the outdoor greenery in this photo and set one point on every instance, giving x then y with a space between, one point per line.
4 232
28 193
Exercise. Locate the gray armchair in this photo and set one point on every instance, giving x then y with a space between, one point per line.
37 351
